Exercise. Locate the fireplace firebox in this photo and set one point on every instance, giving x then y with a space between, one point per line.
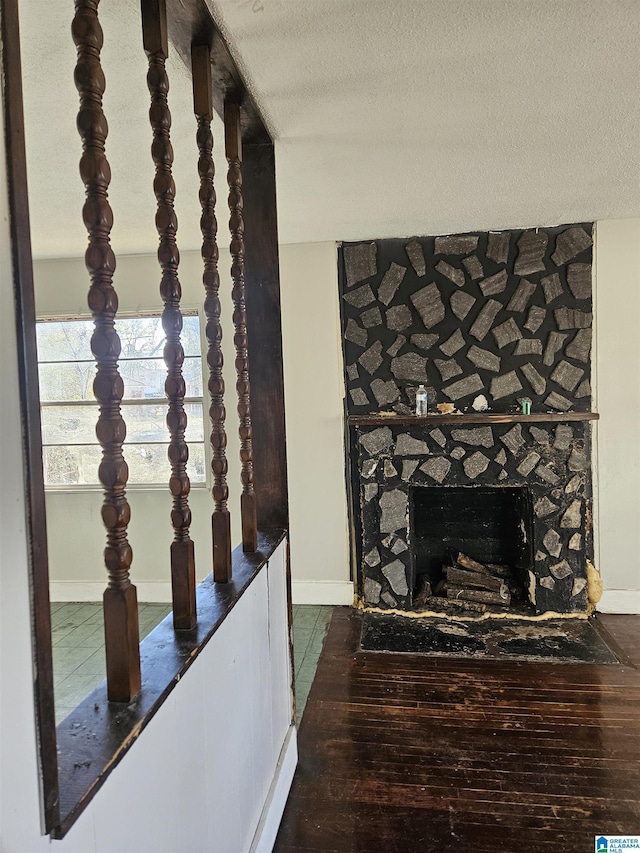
491 524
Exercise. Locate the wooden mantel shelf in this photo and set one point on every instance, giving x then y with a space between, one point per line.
470 418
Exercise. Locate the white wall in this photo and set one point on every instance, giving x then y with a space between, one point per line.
315 424
617 383
313 390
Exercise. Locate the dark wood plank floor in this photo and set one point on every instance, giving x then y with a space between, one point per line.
402 753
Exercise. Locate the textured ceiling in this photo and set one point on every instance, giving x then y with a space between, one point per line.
390 118
56 194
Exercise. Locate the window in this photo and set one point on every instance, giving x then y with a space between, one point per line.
69 410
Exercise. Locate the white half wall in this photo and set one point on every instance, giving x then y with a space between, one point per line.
617 384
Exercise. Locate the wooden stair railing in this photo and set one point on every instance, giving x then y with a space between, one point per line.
203 108
183 573
120 600
233 150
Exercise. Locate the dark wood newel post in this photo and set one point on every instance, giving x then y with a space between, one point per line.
203 108
120 601
233 149
183 573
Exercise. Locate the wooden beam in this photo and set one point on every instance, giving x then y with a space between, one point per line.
154 27
264 323
201 81
191 23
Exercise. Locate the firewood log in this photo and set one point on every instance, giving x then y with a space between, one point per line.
458 577
503 597
423 593
469 564
453 605
498 570
440 587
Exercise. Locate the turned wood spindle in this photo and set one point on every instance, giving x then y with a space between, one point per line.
233 150
183 575
220 518
119 601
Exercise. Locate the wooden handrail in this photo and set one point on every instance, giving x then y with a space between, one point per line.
183 572
120 599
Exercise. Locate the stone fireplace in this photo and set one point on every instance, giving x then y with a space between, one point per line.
483 320
544 467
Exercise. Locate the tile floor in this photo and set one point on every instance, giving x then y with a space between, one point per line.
78 648
310 626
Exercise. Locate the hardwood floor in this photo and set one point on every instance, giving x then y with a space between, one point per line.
411 754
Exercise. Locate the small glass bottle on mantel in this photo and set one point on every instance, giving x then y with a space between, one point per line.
421 401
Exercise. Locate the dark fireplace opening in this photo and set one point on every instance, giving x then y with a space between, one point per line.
492 525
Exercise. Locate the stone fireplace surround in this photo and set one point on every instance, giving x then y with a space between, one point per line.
550 458
503 314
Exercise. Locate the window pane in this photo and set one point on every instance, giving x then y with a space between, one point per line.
71 466
67 371
148 463
140 337
78 466
145 379
142 380
69 424
190 336
67 340
143 337
148 423
60 382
